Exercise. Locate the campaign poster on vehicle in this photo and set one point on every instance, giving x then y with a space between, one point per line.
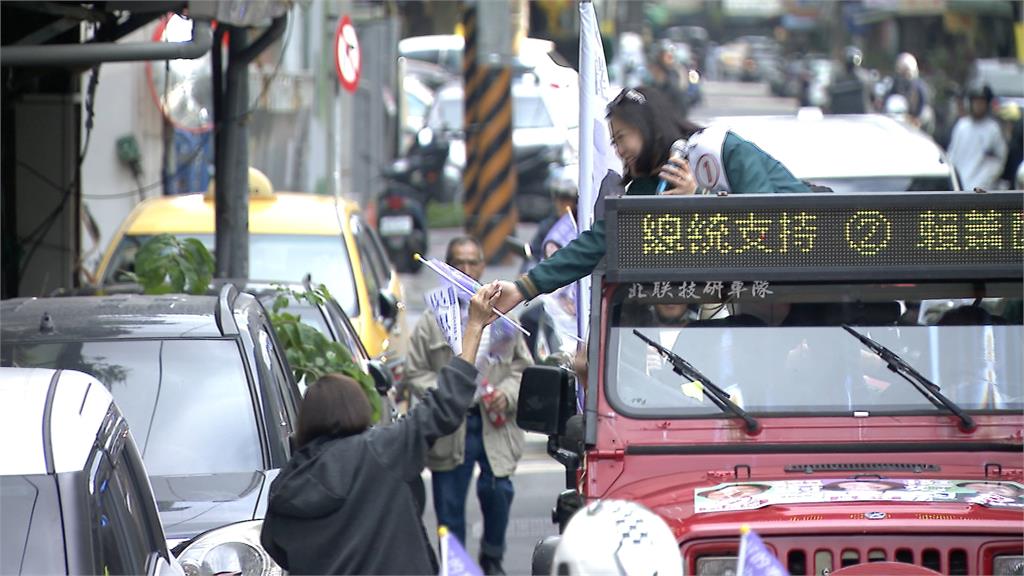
751 495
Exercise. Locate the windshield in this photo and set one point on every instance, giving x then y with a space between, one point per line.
782 349
282 257
187 402
527 112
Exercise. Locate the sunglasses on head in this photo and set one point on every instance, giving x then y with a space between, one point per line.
631 95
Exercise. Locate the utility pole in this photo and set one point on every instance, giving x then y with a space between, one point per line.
230 111
489 180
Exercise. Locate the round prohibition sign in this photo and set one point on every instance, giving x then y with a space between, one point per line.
868 232
347 56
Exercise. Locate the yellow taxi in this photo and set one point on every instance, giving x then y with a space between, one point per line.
290 235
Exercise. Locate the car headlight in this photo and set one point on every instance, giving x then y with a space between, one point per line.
232 549
694 77
716 566
1008 565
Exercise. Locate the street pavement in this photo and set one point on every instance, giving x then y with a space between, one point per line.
539 479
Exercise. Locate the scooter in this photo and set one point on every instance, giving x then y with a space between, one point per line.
401 217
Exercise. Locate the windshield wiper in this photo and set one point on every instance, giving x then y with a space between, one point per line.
710 389
922 384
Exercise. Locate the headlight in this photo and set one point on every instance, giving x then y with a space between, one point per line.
233 549
1008 565
694 77
716 566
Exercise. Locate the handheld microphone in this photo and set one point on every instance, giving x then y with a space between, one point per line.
678 150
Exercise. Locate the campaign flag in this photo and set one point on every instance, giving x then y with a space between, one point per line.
454 559
595 150
561 233
456 278
444 302
465 287
755 559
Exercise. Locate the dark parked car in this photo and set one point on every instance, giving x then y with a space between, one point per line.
206 390
327 318
73 490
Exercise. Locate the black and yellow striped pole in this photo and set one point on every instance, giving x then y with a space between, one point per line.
489 180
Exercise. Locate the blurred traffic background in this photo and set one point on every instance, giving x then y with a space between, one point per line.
396 142
360 131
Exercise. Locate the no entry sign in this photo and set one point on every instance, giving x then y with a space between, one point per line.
347 58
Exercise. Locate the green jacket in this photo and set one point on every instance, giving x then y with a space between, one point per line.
750 171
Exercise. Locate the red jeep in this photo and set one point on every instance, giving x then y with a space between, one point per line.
842 373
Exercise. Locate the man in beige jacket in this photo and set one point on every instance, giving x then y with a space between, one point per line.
496 447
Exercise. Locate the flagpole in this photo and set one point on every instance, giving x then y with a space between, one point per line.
444 275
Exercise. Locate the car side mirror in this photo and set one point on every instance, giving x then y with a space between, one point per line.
547 399
382 379
519 248
388 308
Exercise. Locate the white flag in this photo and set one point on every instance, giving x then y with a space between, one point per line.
444 302
596 154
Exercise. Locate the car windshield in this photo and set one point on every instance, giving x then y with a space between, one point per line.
782 348
887 184
284 257
528 111
187 402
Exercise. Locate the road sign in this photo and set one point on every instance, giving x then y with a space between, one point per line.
347 57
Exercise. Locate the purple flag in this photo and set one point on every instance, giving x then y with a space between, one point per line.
755 559
465 287
454 560
561 233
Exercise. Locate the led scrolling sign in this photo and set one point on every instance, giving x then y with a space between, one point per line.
817 237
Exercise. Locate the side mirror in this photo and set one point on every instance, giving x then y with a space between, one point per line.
388 308
519 248
547 399
382 379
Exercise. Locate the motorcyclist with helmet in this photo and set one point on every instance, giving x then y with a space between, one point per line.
977 148
847 92
909 94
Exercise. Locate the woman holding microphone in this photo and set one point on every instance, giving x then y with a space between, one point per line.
644 126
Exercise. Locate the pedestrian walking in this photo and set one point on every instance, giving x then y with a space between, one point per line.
489 437
342 504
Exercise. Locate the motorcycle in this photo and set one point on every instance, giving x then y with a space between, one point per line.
401 219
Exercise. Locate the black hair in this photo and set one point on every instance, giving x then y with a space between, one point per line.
459 241
333 406
651 112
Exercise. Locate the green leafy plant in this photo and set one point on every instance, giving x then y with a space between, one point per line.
310 354
165 264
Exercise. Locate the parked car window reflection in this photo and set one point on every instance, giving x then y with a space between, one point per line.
187 402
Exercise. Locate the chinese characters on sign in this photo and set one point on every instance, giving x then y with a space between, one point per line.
864 233
728 233
735 290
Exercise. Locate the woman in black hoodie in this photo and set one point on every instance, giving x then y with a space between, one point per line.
342 504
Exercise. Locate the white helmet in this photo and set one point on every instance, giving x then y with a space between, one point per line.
617 537
906 65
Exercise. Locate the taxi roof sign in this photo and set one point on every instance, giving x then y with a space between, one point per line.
807 237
